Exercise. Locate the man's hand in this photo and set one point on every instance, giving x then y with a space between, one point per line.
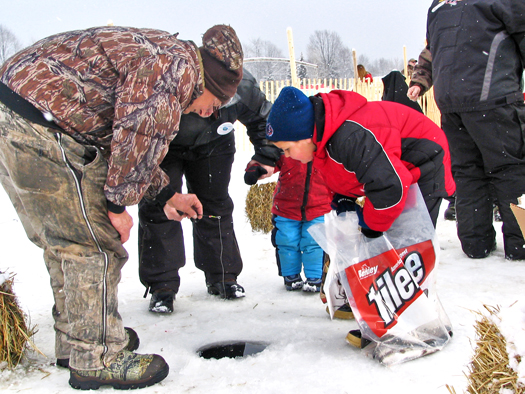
413 92
182 206
122 223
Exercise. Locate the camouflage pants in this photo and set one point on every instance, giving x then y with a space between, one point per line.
56 187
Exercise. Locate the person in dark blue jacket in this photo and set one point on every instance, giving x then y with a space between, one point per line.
474 58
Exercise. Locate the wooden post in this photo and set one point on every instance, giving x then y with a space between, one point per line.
354 57
293 69
405 67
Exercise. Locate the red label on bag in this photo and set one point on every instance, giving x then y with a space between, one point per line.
386 285
419 259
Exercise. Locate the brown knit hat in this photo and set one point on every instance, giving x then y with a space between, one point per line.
222 58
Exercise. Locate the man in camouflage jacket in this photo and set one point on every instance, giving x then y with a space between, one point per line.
86 117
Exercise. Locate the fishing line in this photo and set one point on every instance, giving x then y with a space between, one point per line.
194 221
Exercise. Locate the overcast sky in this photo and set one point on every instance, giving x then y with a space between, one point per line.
375 28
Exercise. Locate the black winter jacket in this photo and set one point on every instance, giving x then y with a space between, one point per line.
249 106
478 53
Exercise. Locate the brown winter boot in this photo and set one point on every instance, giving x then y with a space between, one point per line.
128 371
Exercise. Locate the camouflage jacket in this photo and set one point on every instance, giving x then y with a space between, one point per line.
422 75
120 89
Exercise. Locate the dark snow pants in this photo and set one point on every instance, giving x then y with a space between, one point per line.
488 154
56 186
215 251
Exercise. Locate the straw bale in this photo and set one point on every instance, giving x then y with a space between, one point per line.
259 206
489 371
15 331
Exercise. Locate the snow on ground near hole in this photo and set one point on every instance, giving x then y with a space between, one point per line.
306 353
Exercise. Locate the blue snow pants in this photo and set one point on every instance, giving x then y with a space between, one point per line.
295 247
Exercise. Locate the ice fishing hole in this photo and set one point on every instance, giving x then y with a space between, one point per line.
231 349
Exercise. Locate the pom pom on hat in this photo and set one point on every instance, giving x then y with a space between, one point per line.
222 59
291 118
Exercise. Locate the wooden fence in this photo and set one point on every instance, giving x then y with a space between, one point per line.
372 91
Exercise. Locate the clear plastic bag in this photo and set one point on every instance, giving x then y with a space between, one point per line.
389 281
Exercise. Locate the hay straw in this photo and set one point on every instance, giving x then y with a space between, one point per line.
489 370
450 389
259 206
15 333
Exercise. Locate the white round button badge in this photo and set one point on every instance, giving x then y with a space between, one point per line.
225 128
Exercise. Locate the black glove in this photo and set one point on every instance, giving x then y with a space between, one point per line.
253 173
342 203
370 233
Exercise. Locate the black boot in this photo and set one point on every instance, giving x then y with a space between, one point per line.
228 290
450 212
162 301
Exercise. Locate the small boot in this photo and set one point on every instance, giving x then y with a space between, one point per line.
355 338
293 282
344 312
312 285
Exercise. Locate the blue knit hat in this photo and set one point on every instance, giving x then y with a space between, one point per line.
291 117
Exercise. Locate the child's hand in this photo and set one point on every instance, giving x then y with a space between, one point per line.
342 203
253 173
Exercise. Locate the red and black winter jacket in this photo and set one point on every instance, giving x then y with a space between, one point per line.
378 149
301 193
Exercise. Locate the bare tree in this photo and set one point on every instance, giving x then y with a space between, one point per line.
346 66
327 50
9 44
383 66
265 70
365 61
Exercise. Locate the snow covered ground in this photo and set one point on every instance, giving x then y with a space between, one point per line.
307 352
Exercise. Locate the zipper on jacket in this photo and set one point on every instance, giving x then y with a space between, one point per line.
76 177
306 189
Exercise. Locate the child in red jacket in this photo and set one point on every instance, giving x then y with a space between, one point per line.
372 149
300 200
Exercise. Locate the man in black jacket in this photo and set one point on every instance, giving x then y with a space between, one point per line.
475 58
203 151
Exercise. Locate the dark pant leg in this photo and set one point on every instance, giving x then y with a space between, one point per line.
501 139
161 241
274 243
216 251
432 197
473 202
